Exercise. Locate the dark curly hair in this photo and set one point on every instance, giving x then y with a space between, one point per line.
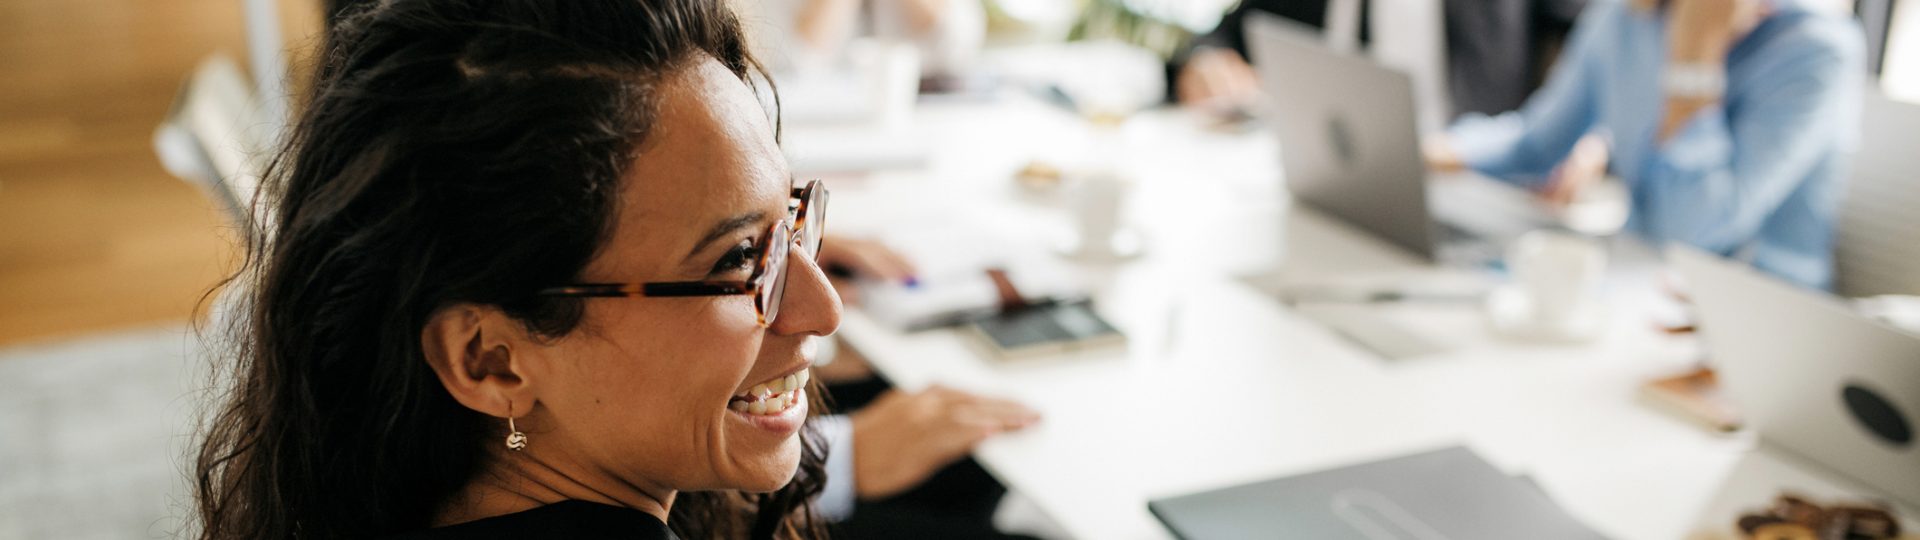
451 151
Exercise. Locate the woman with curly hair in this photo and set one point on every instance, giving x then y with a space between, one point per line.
532 269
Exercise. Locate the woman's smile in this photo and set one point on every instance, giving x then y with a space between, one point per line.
778 405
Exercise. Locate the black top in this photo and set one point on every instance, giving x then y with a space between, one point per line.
566 519
1496 49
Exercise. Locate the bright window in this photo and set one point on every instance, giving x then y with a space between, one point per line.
1900 67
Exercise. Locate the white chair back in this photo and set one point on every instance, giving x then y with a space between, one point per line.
215 136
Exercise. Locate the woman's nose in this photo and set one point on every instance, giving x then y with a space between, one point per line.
809 305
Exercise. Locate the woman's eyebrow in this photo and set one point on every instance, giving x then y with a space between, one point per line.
725 227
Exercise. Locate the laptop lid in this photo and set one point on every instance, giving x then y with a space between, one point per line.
1812 376
1348 138
1448 494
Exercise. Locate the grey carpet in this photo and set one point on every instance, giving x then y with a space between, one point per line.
93 433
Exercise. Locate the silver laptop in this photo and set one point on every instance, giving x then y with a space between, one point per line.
1447 494
1350 146
1813 377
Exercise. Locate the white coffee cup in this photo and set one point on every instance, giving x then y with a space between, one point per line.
1096 202
1559 273
891 73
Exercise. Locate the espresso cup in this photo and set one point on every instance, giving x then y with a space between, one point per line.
1560 274
1096 202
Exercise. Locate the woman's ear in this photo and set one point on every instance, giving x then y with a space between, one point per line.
471 349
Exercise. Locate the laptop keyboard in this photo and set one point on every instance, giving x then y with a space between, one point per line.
1459 246
1454 234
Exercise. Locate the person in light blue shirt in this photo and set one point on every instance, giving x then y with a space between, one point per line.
1730 121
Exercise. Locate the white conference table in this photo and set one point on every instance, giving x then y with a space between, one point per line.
1221 384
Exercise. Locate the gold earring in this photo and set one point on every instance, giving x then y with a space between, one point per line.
516 441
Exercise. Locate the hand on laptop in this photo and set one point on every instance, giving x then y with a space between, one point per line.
1216 78
904 437
1440 155
846 259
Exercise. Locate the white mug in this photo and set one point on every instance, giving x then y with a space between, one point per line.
1096 201
892 72
1560 273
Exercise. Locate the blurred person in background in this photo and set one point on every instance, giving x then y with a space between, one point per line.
947 34
1729 121
908 474
1497 50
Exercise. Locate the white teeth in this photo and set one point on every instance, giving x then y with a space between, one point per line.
774 404
772 397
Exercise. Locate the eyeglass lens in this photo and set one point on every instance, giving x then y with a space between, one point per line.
812 229
814 225
773 291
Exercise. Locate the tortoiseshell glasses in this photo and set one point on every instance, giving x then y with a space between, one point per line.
805 227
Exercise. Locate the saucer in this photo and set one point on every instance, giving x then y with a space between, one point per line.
1124 245
1510 312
